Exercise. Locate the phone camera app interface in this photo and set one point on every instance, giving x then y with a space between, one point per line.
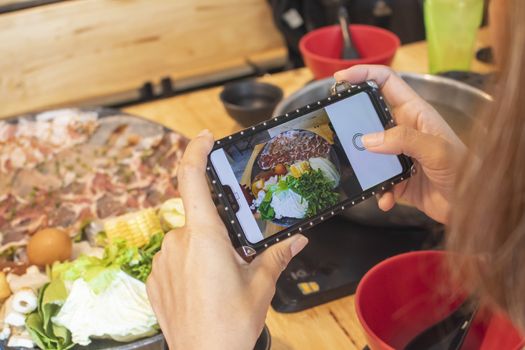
357 142
298 169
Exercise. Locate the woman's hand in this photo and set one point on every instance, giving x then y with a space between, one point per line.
422 134
204 295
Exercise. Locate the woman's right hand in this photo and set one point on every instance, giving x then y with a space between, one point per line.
422 134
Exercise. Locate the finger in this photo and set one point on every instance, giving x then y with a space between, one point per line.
386 201
407 106
193 185
425 148
275 259
169 242
399 190
154 295
396 90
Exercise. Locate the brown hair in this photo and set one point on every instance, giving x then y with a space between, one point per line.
488 215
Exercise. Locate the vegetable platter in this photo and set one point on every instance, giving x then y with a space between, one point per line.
86 197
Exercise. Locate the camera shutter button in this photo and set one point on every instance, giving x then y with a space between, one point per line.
358 142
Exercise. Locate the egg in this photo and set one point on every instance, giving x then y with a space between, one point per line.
49 245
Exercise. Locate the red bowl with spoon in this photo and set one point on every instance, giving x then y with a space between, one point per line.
321 48
403 296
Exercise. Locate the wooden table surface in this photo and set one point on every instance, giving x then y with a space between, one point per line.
330 326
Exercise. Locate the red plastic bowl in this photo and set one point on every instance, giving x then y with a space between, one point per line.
404 295
321 48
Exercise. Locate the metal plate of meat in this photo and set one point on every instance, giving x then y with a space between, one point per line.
155 342
63 168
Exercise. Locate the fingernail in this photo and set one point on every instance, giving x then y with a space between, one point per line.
373 140
298 244
203 133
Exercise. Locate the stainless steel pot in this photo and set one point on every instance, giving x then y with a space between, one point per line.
457 102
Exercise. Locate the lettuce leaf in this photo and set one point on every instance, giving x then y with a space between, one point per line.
44 333
138 260
265 209
99 274
121 312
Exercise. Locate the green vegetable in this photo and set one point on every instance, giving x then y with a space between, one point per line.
44 333
121 312
328 168
314 187
99 273
138 260
265 209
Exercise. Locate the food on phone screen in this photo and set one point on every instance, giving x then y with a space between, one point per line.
280 169
299 168
298 195
303 180
304 166
287 203
327 168
292 146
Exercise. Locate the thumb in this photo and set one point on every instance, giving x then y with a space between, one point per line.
275 259
403 140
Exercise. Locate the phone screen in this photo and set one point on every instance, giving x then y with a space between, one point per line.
295 170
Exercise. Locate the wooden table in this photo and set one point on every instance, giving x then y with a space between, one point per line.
330 326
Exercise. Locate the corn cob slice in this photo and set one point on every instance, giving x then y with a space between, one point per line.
135 228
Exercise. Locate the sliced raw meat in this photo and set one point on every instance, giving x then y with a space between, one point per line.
292 146
63 217
62 168
107 206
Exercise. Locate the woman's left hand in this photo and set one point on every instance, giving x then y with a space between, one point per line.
204 295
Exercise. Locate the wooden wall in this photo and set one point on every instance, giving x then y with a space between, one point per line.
83 50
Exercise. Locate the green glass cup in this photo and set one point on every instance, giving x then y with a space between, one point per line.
451 28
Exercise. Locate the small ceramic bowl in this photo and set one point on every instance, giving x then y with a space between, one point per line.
250 102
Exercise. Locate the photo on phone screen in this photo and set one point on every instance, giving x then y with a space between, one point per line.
298 169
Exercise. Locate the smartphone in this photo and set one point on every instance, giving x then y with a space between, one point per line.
296 170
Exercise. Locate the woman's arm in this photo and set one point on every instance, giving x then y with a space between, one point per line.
204 295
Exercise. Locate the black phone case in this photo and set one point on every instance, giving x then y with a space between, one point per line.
249 250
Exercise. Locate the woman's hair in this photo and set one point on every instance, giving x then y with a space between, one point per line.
488 216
